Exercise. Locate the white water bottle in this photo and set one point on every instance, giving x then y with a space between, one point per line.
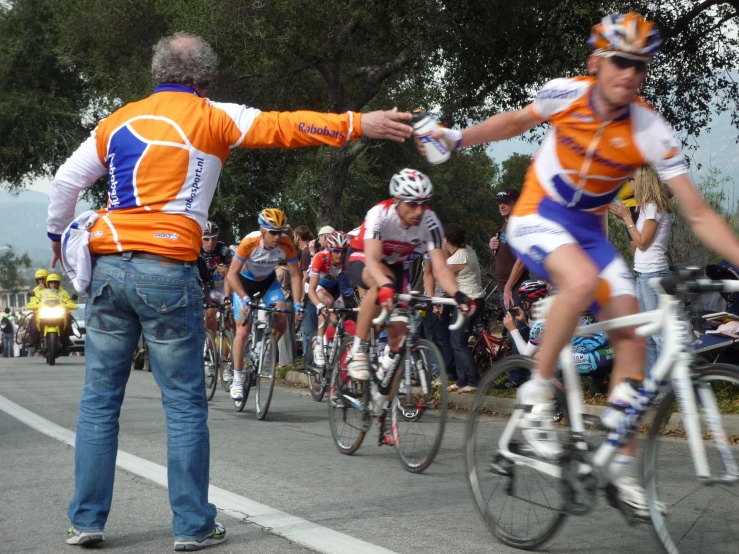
437 151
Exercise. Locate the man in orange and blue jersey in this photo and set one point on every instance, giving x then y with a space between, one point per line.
163 156
600 133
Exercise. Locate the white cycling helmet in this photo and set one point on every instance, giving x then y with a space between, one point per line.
410 185
337 240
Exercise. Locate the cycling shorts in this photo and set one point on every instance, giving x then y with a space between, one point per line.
355 267
268 288
341 287
535 236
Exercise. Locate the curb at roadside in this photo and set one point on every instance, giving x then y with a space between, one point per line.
505 406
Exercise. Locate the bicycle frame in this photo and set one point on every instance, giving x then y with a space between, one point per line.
674 363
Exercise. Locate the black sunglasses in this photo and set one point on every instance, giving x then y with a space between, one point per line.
274 233
340 250
415 204
628 63
208 239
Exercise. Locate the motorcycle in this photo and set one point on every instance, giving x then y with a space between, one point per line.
51 322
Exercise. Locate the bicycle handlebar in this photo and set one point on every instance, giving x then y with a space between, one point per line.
265 308
423 300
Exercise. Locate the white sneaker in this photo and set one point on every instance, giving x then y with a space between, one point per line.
359 367
84 539
237 390
536 398
318 357
632 494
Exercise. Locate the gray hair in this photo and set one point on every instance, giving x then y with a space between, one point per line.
184 59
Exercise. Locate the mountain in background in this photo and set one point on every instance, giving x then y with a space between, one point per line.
23 223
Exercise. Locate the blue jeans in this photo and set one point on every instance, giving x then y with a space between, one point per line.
8 345
310 325
648 300
467 372
125 297
437 332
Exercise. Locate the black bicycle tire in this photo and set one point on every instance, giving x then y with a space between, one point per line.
211 383
444 402
346 343
262 405
651 448
228 337
316 395
469 453
51 345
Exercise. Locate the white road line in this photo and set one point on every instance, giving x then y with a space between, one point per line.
302 532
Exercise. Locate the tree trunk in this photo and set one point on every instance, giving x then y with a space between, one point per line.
329 206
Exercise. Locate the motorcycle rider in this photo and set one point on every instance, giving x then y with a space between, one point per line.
40 278
54 282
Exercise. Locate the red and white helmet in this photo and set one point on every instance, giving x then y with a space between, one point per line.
532 290
410 185
337 240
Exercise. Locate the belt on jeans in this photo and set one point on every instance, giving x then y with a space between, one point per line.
156 258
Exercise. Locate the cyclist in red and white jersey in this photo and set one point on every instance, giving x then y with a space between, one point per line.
391 233
601 132
328 284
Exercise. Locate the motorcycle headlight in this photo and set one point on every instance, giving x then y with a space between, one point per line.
48 312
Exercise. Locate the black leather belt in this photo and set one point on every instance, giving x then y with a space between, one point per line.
157 258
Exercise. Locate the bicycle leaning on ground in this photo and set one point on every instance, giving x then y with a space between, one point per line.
535 496
260 358
416 409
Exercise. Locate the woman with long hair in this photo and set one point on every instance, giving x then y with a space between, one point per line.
651 235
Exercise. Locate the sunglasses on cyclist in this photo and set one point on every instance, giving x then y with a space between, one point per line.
274 232
627 63
339 250
417 203
209 239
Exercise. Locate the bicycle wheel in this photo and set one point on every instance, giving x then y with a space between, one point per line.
316 381
349 422
521 506
696 516
267 373
225 359
210 363
418 409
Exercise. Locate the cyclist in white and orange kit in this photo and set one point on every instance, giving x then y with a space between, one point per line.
600 133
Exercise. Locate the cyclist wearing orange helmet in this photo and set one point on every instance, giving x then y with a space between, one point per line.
601 132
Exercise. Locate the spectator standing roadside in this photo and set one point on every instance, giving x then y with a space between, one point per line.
144 272
433 326
651 235
286 344
464 264
324 232
7 328
509 272
309 326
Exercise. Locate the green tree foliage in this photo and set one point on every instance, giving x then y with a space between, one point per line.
11 264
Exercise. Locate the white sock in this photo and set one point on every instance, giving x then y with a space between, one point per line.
356 345
238 376
622 466
319 340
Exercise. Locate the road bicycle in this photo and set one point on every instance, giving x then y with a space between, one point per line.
223 343
524 499
488 349
319 377
415 415
260 358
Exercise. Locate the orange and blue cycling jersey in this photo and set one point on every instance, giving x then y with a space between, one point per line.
579 169
163 156
260 262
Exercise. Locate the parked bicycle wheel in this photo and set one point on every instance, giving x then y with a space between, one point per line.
690 515
349 423
267 372
210 363
419 412
225 360
520 505
316 382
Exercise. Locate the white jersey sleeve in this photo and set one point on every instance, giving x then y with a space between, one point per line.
658 145
556 96
433 231
374 222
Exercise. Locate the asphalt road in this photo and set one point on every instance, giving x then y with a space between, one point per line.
288 463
